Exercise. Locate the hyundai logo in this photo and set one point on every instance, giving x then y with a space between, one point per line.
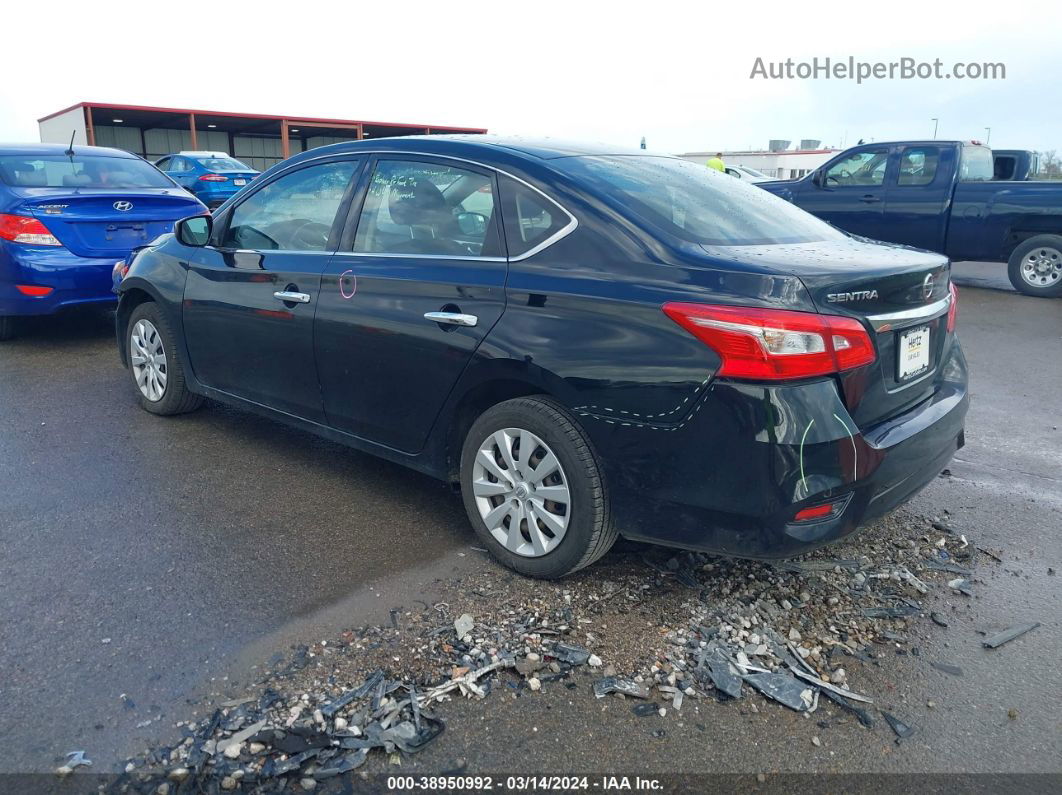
123 206
927 286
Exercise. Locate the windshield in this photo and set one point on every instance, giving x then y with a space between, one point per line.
79 171
697 204
753 172
221 164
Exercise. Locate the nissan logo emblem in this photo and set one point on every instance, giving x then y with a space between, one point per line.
927 286
123 206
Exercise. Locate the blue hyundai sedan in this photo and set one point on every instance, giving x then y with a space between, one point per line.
212 177
67 215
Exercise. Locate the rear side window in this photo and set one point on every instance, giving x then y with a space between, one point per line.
530 218
918 165
79 171
428 209
292 213
976 165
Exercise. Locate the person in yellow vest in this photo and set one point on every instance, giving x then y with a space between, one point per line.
717 162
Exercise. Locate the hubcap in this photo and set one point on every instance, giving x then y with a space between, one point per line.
522 492
1042 267
148 359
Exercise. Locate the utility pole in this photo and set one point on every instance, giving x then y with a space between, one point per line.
935 122
989 136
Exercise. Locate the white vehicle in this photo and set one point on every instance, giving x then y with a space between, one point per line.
747 174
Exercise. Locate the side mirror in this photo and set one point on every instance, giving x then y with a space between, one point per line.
473 224
194 231
816 178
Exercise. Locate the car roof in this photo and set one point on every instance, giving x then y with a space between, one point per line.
538 148
27 150
200 154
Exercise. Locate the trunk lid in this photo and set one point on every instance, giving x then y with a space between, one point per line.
104 223
898 293
238 178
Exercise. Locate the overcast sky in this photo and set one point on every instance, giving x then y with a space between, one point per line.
677 73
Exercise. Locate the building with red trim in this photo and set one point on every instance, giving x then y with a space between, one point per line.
257 139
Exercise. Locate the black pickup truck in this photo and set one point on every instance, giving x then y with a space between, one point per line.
941 196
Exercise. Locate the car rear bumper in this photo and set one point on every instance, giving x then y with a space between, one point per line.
73 280
217 196
731 476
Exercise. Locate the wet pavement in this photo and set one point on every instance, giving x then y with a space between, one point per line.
153 557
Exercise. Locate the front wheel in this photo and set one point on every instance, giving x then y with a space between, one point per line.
1035 267
155 364
534 490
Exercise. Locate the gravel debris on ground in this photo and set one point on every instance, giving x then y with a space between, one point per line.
659 626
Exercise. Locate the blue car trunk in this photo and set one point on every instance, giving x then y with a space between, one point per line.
102 222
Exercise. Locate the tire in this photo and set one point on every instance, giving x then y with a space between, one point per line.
1035 267
7 327
547 427
164 391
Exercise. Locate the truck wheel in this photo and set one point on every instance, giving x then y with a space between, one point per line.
155 365
1035 267
534 490
7 327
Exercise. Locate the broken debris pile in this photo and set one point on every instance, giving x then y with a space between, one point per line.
644 626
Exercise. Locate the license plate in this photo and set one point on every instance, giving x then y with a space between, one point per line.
913 353
239 182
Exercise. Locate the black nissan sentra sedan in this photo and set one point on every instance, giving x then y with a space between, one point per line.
590 342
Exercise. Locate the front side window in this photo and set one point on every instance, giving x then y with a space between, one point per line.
79 171
861 169
918 165
292 213
530 218
431 209
179 165
164 164
694 203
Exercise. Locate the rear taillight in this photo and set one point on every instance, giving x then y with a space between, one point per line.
213 178
26 230
953 309
775 344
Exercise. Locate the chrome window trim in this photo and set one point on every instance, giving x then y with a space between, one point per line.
567 229
419 256
910 317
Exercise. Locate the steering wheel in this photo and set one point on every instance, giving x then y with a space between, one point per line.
311 235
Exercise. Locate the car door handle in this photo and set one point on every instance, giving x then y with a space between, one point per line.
287 296
869 199
453 318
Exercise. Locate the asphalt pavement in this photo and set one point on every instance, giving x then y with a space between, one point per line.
146 561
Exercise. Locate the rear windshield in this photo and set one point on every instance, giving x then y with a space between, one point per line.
221 164
697 204
79 171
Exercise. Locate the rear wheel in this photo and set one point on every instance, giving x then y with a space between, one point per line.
533 488
155 365
1035 267
7 327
